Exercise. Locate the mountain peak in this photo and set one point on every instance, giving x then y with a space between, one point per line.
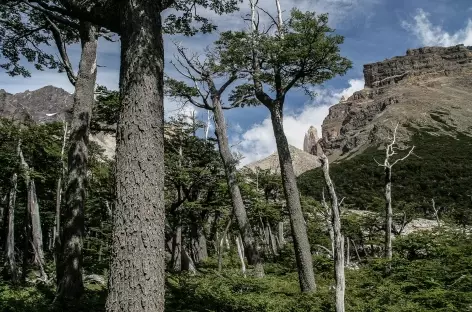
45 104
428 88
302 161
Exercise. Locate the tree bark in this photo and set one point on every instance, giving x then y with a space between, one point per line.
300 238
69 271
137 271
239 210
10 263
338 237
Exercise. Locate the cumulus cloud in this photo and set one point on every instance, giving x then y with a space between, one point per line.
434 35
259 142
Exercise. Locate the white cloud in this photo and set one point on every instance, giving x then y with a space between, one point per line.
259 142
434 35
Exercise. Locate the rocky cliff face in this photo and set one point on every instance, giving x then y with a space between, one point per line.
47 104
429 88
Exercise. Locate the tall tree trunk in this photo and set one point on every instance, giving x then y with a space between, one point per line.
273 244
348 252
239 209
187 262
388 216
300 238
3 215
36 232
280 234
57 218
198 242
241 254
137 271
220 241
10 263
338 237
214 228
26 244
176 262
33 218
69 271
57 221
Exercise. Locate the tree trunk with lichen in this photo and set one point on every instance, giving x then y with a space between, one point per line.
297 222
239 210
10 262
69 271
137 270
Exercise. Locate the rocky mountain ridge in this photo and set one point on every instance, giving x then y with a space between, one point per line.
47 104
429 89
301 160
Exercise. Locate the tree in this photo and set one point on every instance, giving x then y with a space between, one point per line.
138 238
33 216
191 170
70 284
301 53
47 22
337 236
388 164
204 93
9 213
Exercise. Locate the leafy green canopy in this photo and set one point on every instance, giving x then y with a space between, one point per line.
305 53
24 33
27 29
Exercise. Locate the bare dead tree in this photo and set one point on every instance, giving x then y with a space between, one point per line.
390 151
239 245
280 235
337 234
10 263
34 217
436 212
327 216
60 180
221 242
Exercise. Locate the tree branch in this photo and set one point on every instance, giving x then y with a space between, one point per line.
62 51
55 17
231 79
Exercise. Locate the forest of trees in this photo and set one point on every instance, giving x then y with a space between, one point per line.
171 223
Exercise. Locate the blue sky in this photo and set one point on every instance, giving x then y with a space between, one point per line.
374 30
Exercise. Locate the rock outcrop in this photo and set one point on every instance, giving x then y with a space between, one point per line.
429 89
302 162
311 138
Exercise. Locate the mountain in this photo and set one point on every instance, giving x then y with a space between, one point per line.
428 89
302 162
47 104
428 92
